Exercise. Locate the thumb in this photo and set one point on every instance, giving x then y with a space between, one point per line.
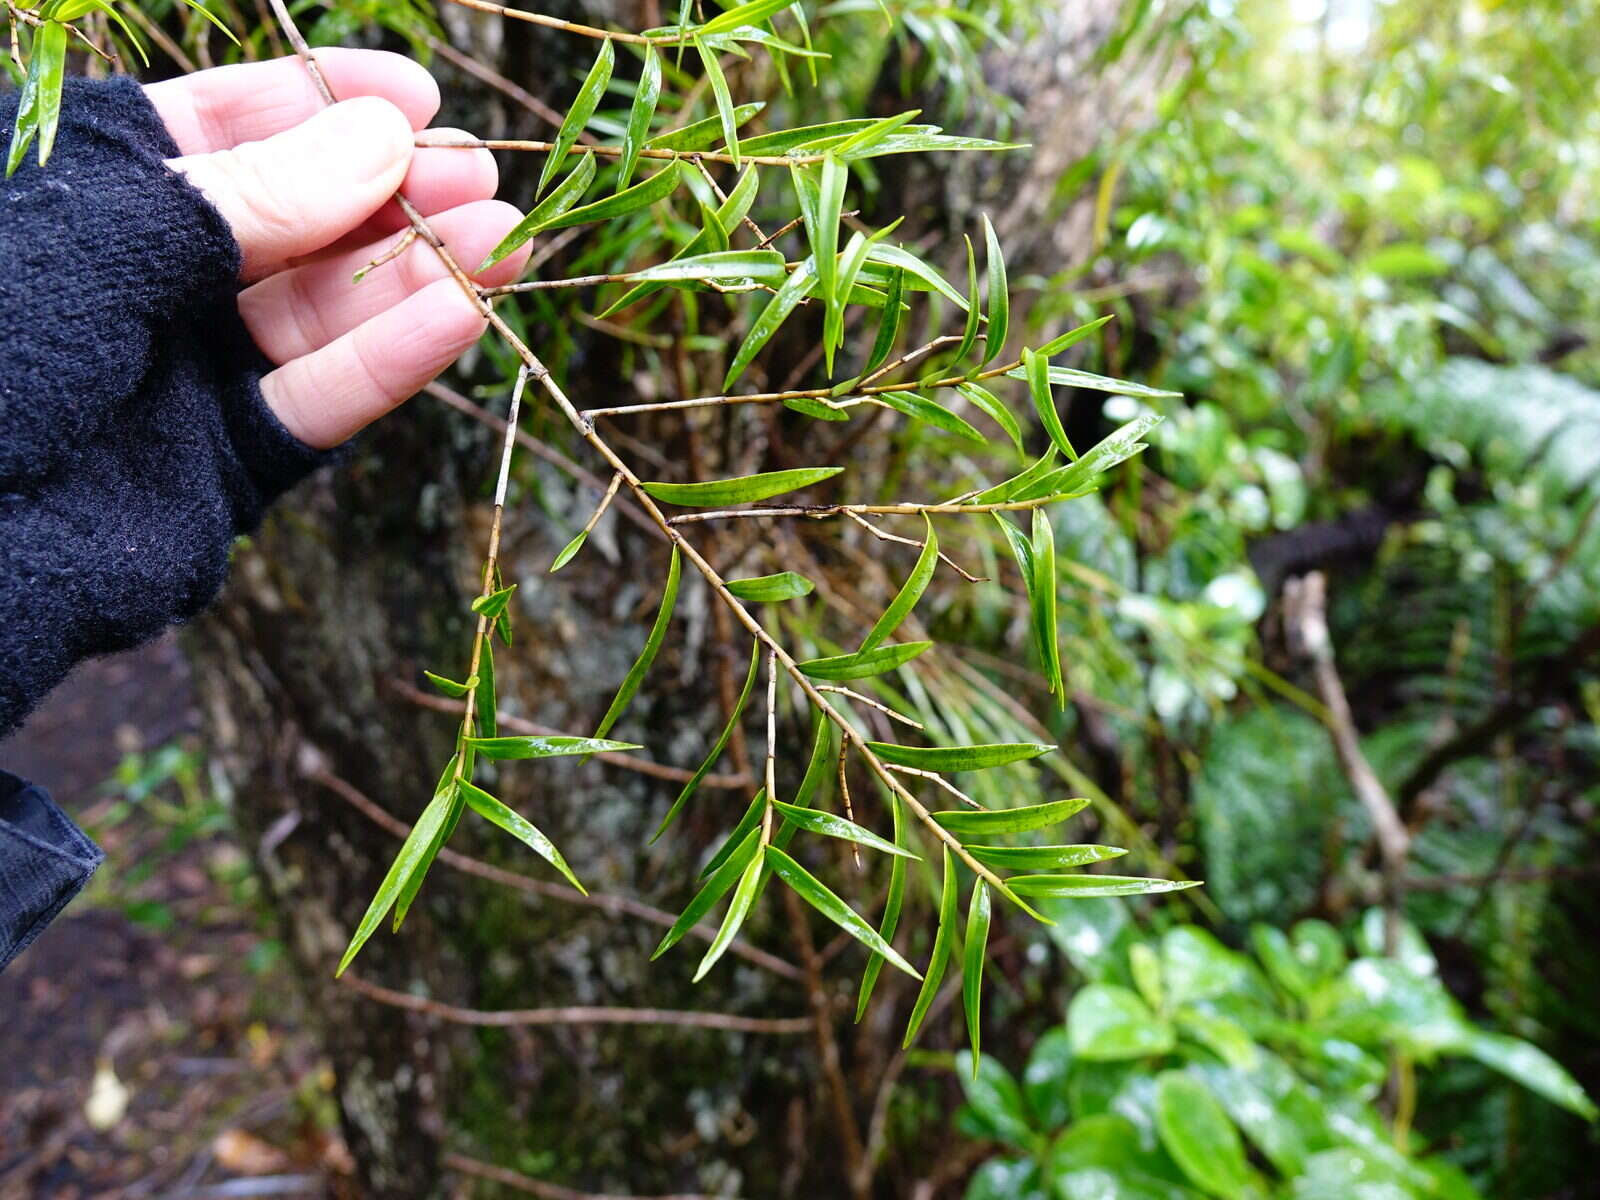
299 190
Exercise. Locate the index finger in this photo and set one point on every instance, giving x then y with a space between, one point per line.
225 106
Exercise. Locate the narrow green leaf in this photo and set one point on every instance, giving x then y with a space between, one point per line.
449 686
786 585
1044 603
594 86
1067 377
959 758
999 299
863 664
822 225
1111 451
519 827
413 854
1042 858
494 603
862 143
940 957
828 825
1071 338
967 823
641 195
753 13
740 490
816 409
969 335
735 839
1077 886
738 909
991 405
931 412
701 135
810 889
1037 369
212 17
488 701
776 312
1001 493
567 193
894 901
888 323
817 767
724 98
978 914
726 874
412 883
717 747
569 551
722 265
910 592
641 666
39 105
520 747
645 99
896 257
711 238
806 137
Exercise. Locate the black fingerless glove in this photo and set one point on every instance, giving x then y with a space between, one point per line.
134 441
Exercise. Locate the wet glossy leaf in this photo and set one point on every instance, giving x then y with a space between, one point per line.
647 656
645 99
414 855
717 747
1002 493
727 872
1533 1069
740 490
898 258
1108 1023
447 786
994 408
641 195
1043 597
969 823
1067 887
449 686
1201 1139
727 115
978 915
814 821
39 105
701 135
760 589
888 322
995 1099
940 958
999 296
735 839
815 893
822 228
738 909
1042 858
569 551
910 592
1110 452
1066 376
494 603
796 288
864 664
752 13
1071 338
931 412
487 703
727 266
567 193
711 238
519 827
594 87
520 747
1037 369
894 901
959 758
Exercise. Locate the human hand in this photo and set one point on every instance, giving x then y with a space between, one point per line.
307 191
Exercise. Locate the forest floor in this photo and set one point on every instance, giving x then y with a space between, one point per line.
150 1040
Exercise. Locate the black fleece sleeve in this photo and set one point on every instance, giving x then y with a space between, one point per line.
134 440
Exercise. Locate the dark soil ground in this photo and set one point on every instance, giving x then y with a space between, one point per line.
148 1041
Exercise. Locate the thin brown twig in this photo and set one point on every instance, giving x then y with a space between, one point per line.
884 535
576 1014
